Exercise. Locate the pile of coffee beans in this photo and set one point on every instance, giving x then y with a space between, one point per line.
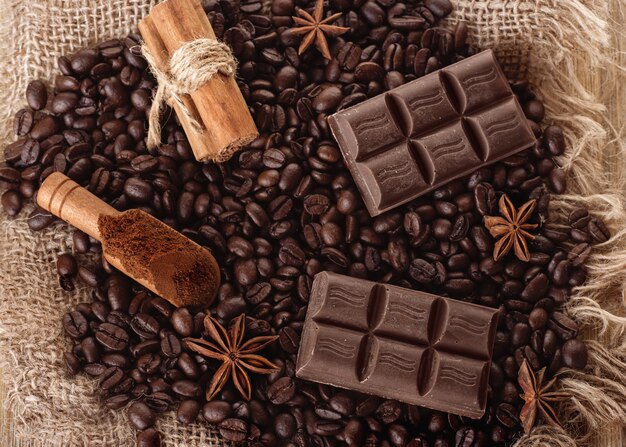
284 209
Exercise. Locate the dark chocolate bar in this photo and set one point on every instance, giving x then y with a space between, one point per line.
398 344
415 138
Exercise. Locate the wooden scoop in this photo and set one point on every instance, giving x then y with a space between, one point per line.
140 246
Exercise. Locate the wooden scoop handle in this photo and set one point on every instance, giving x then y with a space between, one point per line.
69 201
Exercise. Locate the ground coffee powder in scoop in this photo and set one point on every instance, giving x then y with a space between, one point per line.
181 270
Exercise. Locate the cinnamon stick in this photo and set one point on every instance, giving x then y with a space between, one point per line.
218 105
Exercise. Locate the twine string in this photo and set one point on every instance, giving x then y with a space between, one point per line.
190 67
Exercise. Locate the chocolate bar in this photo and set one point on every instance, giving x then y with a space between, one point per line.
398 344
416 137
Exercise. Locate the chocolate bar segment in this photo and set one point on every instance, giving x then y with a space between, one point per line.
412 139
398 344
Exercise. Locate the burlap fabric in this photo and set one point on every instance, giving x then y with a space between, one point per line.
538 39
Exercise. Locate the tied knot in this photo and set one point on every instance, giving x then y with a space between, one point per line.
190 67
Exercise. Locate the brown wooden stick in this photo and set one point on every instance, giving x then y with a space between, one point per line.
71 202
219 104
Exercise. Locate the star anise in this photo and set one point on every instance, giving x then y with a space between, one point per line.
317 29
237 357
511 228
537 397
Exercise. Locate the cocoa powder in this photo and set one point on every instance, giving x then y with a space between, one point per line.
182 271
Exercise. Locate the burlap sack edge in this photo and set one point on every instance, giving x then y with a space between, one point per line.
580 29
599 393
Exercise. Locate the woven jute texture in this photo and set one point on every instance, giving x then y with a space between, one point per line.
538 39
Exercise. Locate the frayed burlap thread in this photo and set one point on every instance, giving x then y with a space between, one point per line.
191 66
538 39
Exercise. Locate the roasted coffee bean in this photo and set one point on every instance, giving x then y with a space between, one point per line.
90 348
186 388
536 288
182 322
144 163
598 231
520 334
563 326
422 271
64 102
112 337
216 411
45 128
534 110
328 428
574 354
538 318
118 294
289 340
327 100
94 369
171 346
117 402
188 411
554 140
149 438
80 242
75 324
39 219
114 359
285 425
9 177
316 204
291 254
507 415
188 366
485 197
233 429
257 214
145 347
140 415
159 401
343 404
72 362
138 190
11 202
66 265
557 181
367 406
281 391
148 363
579 218
37 95
111 377
240 247
440 8
145 325
327 413
560 275
125 386
579 254
389 411
23 122
460 228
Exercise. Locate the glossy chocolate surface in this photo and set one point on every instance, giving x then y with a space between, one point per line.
398 344
423 134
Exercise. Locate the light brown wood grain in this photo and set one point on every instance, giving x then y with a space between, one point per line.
72 203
